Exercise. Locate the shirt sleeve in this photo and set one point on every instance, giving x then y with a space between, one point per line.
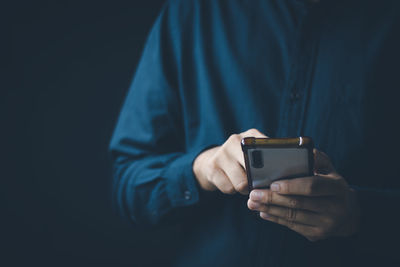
152 165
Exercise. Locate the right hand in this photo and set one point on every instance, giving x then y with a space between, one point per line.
222 167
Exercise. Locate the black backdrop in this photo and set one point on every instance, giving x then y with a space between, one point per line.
72 63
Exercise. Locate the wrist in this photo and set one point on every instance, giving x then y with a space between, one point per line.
199 167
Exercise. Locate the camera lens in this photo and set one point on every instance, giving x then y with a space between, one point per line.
256 159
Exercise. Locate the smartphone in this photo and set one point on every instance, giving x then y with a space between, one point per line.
271 159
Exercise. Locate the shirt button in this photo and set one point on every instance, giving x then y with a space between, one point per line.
294 95
188 195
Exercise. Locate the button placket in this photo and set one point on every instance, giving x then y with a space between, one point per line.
295 95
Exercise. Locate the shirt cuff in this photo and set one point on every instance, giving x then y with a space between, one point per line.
183 190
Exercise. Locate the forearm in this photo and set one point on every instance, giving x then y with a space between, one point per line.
198 169
147 189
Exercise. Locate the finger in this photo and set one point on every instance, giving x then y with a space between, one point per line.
238 178
234 150
222 182
238 153
292 215
267 197
308 186
235 174
231 161
252 133
306 230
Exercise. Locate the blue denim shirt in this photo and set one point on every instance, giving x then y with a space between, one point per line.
212 68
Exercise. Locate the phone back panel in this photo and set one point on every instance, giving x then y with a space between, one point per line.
270 164
270 159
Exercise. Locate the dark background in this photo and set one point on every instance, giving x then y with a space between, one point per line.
71 65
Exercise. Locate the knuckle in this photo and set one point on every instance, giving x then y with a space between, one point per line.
222 151
218 160
213 164
234 138
226 188
242 186
210 178
286 223
291 224
291 214
294 203
267 197
253 130
213 172
213 179
230 191
213 159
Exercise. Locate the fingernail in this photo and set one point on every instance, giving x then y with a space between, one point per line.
256 195
264 215
275 187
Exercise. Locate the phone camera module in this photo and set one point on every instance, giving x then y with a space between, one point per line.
256 159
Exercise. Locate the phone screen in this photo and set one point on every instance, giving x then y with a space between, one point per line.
270 164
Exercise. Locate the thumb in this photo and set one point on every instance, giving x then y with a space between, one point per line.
322 163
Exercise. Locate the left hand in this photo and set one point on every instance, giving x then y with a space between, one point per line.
316 207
